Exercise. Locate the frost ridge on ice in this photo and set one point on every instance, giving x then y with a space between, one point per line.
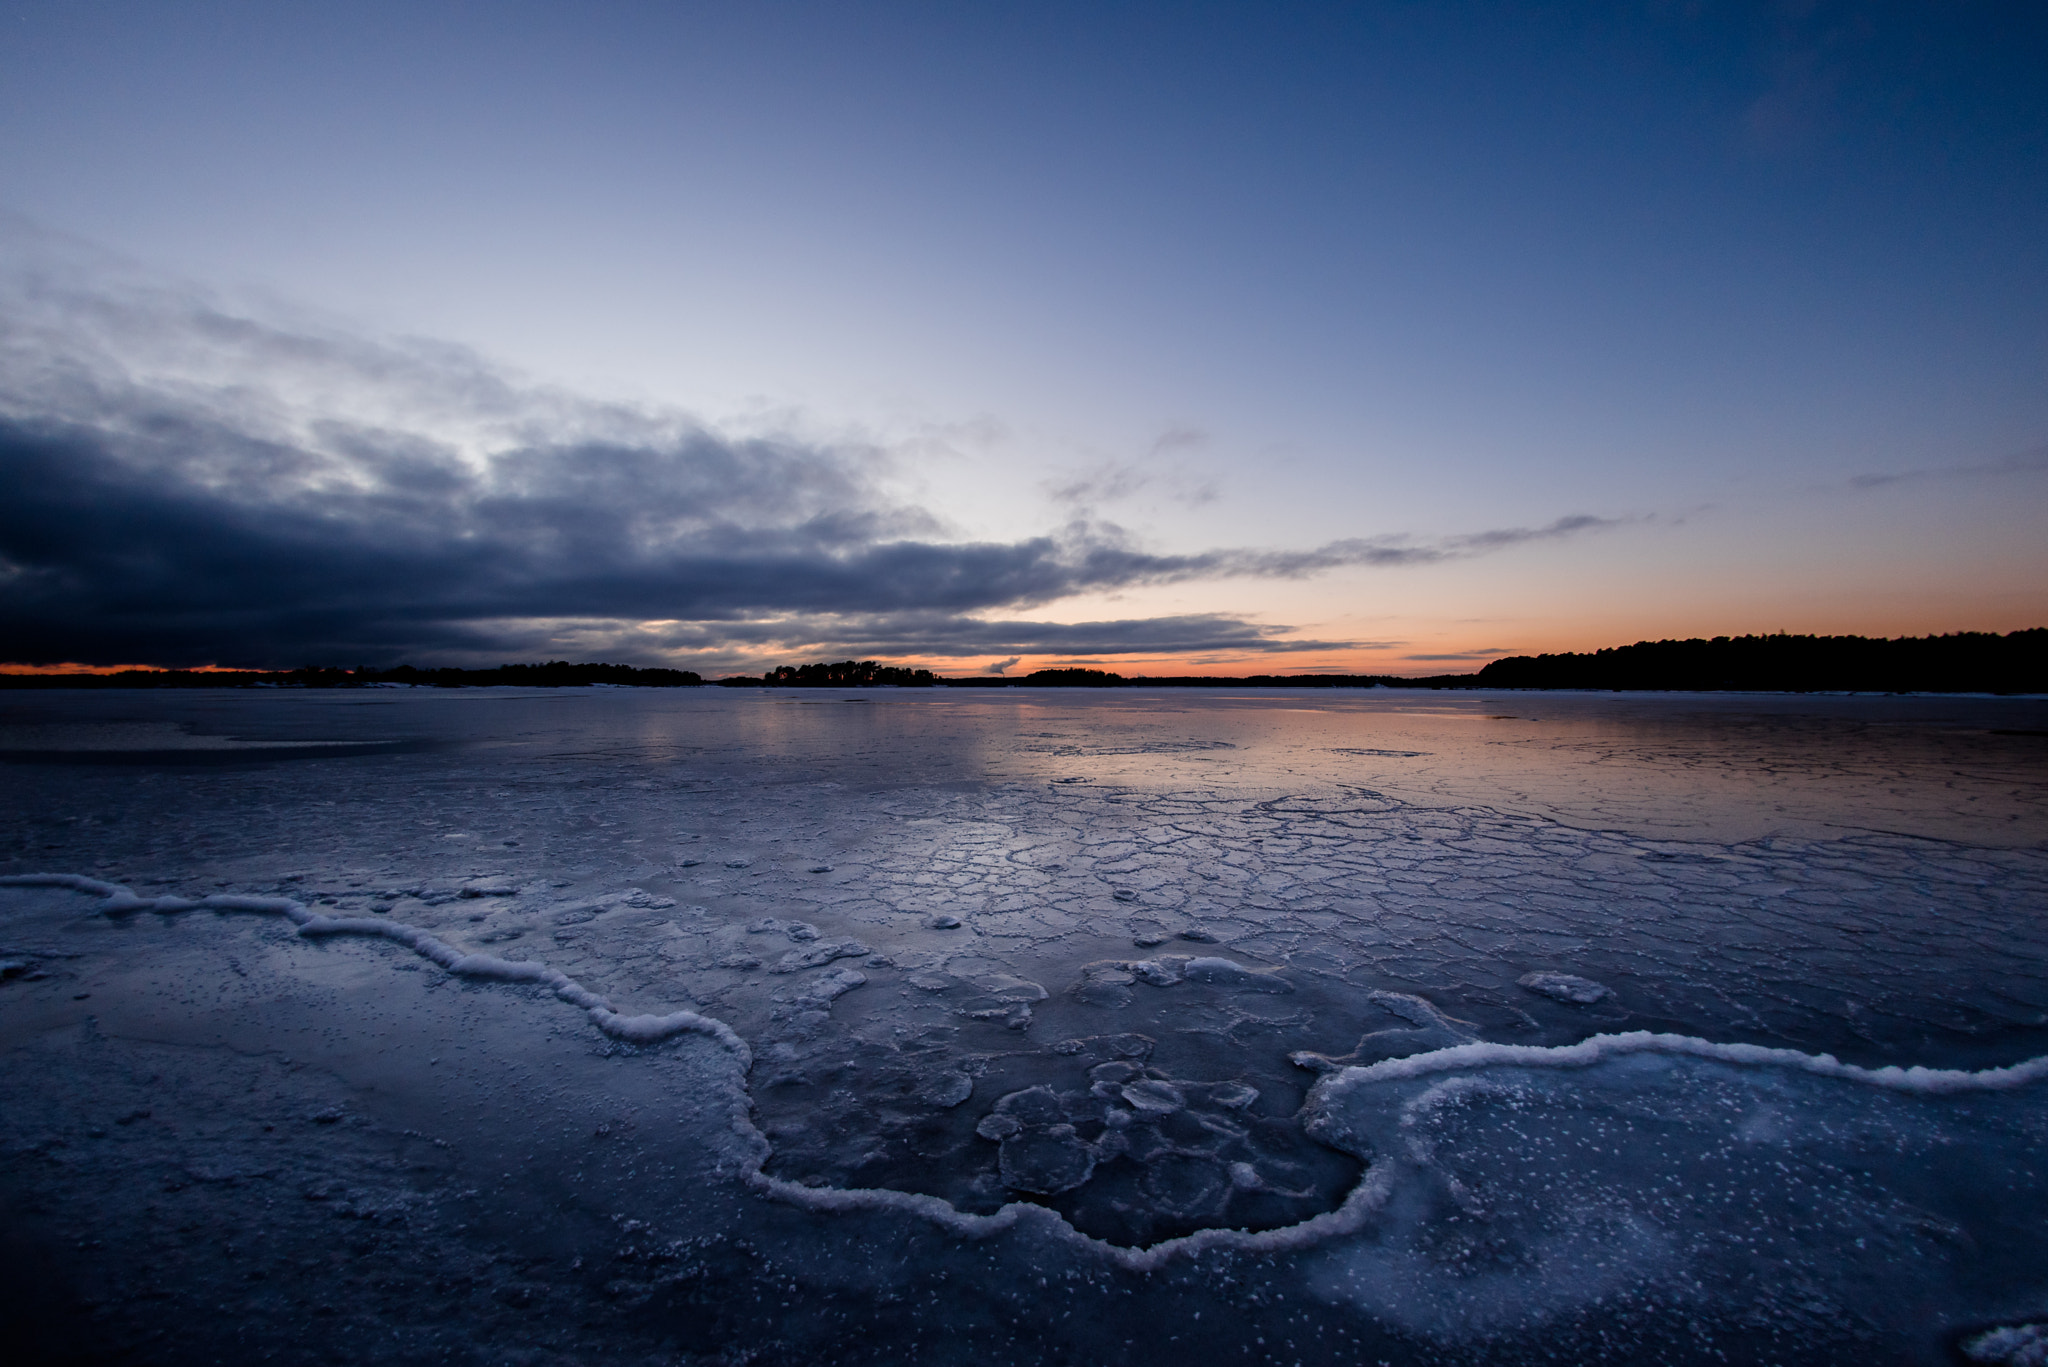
1368 1196
1322 1113
1599 1048
644 1029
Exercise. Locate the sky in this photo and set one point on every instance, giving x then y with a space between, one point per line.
1165 338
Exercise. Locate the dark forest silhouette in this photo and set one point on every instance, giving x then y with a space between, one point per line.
1961 662
846 674
555 674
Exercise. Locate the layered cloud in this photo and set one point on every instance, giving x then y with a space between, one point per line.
187 484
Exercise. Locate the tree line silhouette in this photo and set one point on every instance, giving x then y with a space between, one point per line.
555 674
1960 662
845 674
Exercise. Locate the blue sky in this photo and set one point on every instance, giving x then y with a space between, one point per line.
1563 325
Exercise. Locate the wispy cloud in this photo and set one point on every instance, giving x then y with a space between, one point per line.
1162 468
1105 484
2031 462
1396 550
189 485
1484 654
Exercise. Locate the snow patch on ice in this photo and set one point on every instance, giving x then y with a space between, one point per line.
2012 1345
1566 987
818 955
1529 1183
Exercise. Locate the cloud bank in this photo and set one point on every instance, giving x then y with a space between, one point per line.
191 485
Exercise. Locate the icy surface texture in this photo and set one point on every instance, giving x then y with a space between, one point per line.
1566 987
1032 990
1525 1185
2012 1345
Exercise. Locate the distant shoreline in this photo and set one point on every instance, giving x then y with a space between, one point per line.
1960 662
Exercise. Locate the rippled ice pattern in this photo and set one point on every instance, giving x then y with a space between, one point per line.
1133 1026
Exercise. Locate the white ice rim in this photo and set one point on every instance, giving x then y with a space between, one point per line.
1351 1216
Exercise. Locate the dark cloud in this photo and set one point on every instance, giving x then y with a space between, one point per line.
947 634
187 486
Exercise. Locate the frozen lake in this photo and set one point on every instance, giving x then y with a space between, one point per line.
1123 1026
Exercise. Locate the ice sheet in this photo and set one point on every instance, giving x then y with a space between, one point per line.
1032 988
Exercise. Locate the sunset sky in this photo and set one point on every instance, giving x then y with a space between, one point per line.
1179 337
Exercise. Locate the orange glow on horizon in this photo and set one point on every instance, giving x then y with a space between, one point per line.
1428 650
1167 666
117 669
